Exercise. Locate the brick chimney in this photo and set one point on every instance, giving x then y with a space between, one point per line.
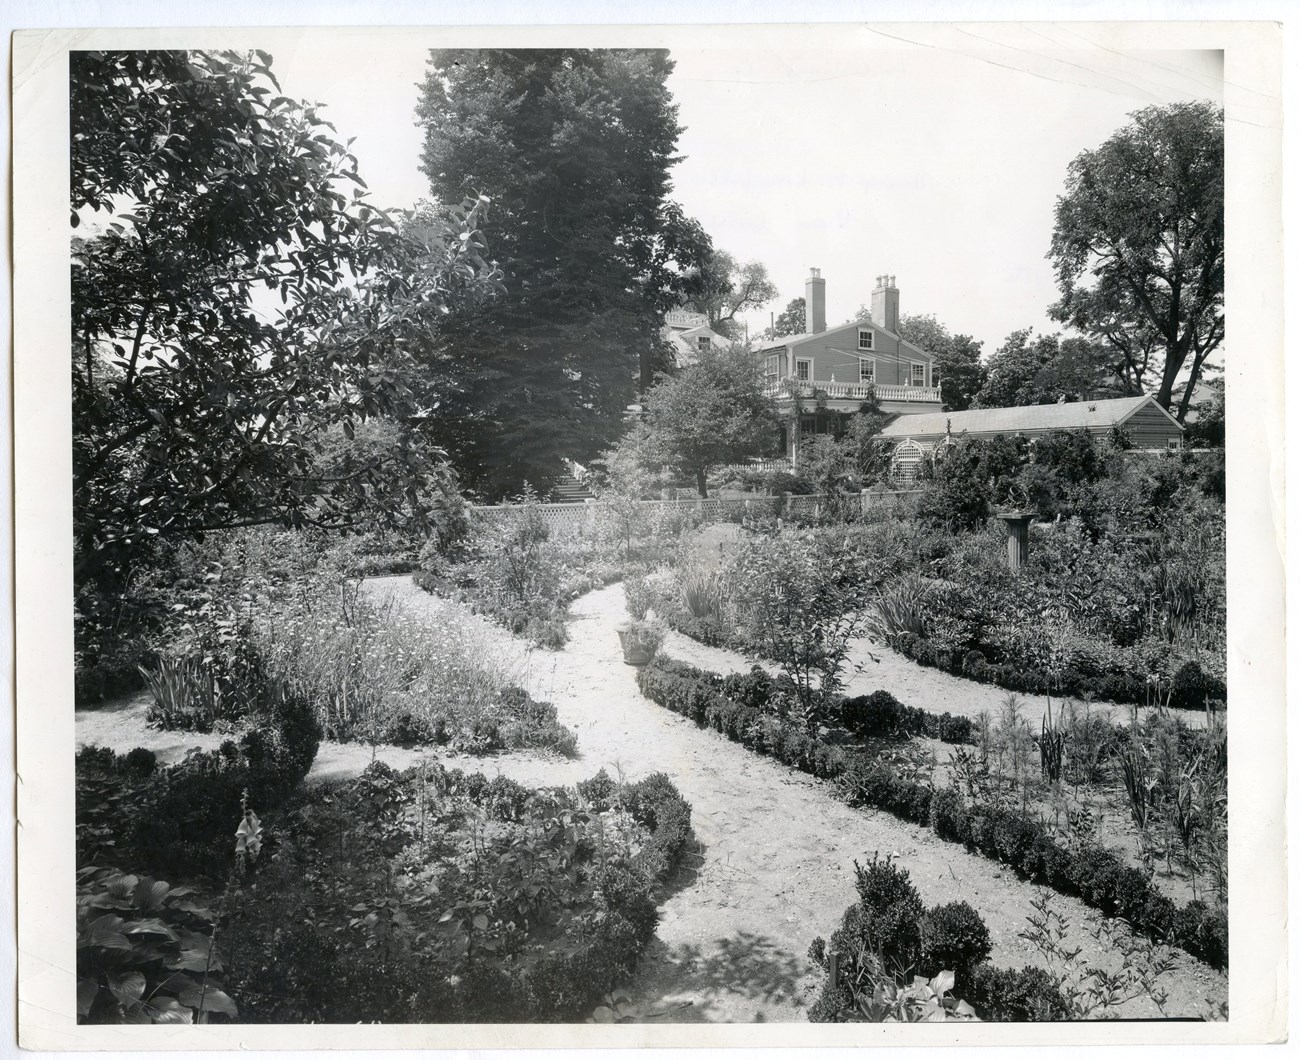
814 308
884 303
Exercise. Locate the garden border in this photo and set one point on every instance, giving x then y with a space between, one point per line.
1097 877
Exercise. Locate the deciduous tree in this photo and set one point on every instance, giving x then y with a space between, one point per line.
728 288
203 199
956 358
1142 216
712 413
1038 371
792 321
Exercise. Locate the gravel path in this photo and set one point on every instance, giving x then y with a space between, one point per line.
874 666
774 863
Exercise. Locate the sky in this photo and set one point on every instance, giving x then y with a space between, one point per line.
934 154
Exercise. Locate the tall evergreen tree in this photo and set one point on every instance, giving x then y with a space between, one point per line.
573 148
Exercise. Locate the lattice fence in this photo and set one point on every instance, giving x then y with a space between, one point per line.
586 517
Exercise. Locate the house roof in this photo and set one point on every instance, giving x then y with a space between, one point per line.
1096 415
786 341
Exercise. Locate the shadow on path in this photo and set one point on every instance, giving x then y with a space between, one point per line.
744 965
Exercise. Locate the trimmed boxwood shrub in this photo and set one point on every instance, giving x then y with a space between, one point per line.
1002 833
881 715
890 921
1025 995
955 938
948 815
1190 684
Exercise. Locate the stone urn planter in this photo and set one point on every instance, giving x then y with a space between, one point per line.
640 642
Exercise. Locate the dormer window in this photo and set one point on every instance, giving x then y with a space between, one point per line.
704 342
866 339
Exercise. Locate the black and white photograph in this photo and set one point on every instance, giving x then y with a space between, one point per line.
654 528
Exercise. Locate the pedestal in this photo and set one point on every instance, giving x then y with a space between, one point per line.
1017 537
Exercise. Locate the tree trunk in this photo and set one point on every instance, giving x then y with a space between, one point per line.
700 483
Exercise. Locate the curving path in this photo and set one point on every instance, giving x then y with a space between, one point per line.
774 866
774 863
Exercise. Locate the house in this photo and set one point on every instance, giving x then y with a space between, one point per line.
688 333
1143 421
824 374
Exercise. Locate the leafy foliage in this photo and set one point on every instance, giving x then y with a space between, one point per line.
799 599
711 413
728 288
145 952
1029 371
790 321
434 895
574 148
1143 214
199 188
956 359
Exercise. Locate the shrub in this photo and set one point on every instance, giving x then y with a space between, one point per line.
798 596
953 938
1191 686
141 761
1000 832
178 820
948 815
886 921
878 714
752 689
1021 996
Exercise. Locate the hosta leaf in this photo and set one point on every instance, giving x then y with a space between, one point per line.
86 991
216 1000
149 926
176 983
194 954
126 986
149 894
197 908
105 932
604 1015
138 1012
943 982
122 886
169 1010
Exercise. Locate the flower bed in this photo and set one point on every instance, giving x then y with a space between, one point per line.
1006 834
1114 678
436 896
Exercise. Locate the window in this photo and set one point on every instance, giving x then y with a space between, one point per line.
704 342
803 368
1174 444
934 377
773 367
918 374
866 370
866 339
